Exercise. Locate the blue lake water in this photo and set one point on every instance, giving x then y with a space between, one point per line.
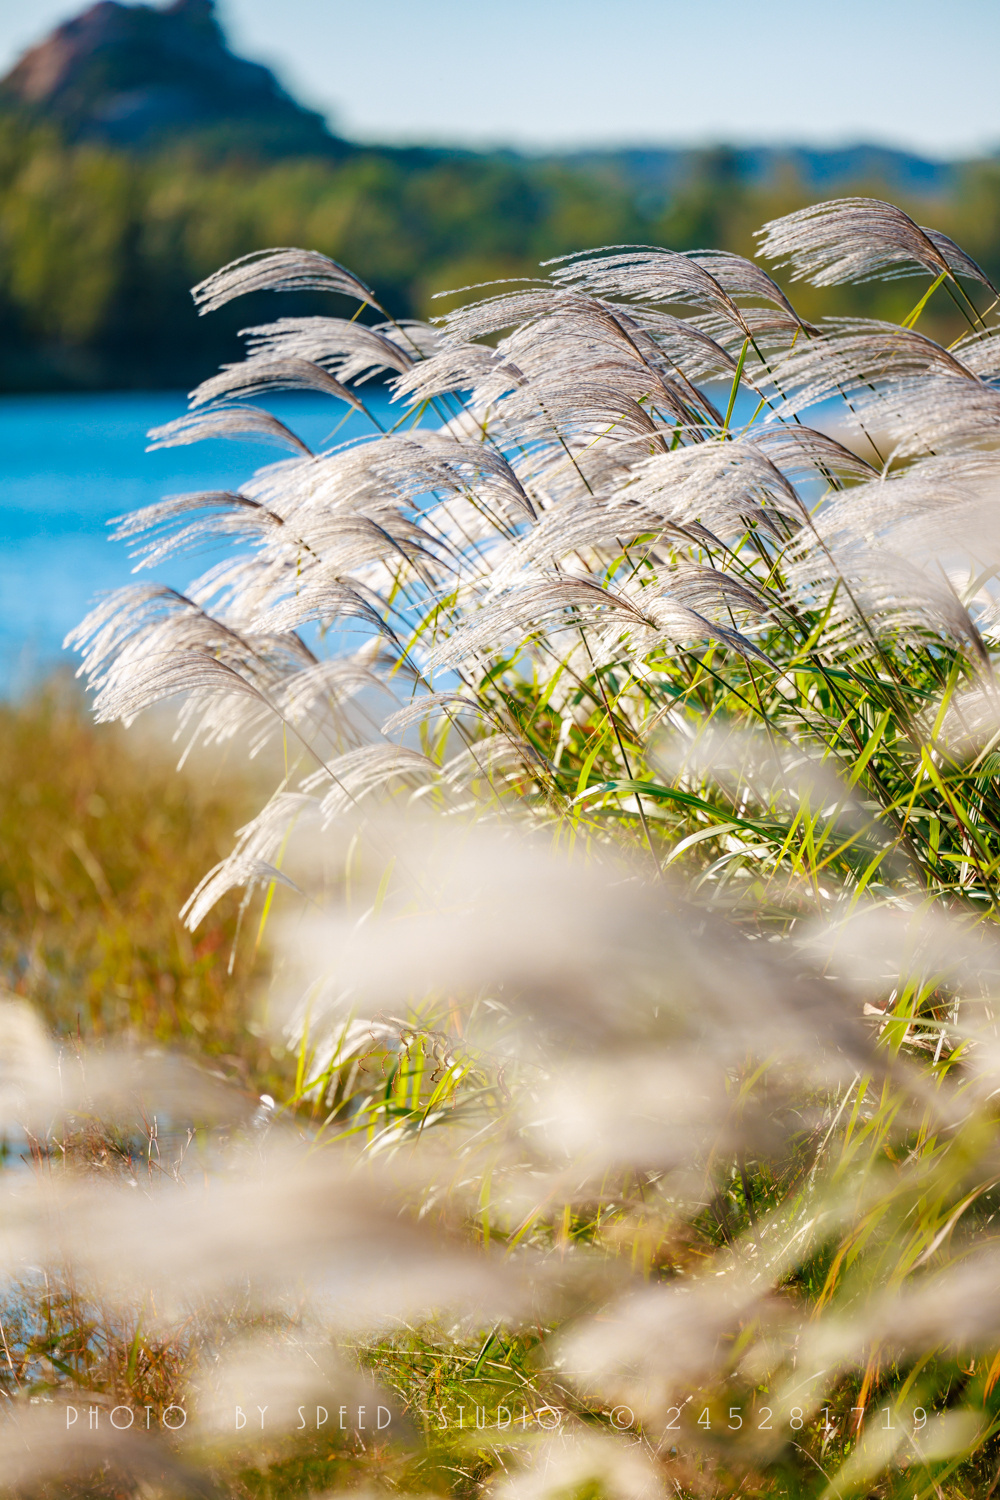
69 463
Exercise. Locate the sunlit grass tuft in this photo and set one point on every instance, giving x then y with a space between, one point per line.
101 841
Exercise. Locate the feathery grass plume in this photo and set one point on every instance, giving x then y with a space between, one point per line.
233 421
286 270
262 373
352 351
682 1009
858 239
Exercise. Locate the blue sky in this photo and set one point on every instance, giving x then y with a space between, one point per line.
565 72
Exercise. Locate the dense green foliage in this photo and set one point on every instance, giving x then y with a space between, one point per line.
98 247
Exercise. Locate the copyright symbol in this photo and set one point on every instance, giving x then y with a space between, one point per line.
622 1416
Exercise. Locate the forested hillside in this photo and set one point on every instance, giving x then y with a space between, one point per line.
130 169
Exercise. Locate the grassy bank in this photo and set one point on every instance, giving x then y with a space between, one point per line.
101 842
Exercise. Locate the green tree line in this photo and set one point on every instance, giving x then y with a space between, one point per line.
99 247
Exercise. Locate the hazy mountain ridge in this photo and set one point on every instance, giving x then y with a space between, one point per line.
665 169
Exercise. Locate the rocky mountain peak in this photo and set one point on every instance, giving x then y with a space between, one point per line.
140 75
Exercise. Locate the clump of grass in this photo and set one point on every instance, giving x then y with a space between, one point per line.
656 1077
100 842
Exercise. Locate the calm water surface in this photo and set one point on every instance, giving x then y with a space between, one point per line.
68 464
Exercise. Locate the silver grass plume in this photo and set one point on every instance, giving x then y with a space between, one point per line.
857 239
585 436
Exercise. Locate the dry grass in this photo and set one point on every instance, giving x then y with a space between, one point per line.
101 842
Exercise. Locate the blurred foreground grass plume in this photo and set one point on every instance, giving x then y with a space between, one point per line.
632 895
